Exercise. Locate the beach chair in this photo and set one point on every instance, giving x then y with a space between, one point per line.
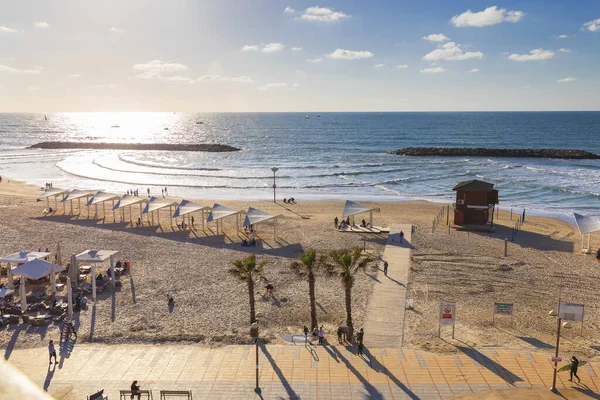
164 394
126 394
98 396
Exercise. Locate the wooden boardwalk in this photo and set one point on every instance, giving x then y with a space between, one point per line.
384 325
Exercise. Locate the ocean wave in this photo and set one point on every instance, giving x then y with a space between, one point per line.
152 165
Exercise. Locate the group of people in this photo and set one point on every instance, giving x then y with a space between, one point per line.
47 186
342 331
132 192
251 242
343 224
291 200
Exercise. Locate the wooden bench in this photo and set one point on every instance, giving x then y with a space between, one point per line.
178 393
98 396
126 394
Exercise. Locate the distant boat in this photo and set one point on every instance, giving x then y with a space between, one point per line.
115 126
306 116
45 117
318 116
199 122
166 129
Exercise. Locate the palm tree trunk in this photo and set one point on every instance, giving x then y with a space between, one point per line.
348 289
313 300
251 296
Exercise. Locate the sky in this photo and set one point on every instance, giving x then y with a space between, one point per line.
289 55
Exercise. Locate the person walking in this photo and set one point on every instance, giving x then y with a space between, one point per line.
401 236
148 192
339 335
385 267
360 348
305 334
336 222
321 335
192 219
574 366
360 335
52 351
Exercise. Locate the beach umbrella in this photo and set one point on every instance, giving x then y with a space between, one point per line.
58 254
53 279
23 295
69 297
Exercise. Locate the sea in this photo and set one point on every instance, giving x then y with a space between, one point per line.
325 156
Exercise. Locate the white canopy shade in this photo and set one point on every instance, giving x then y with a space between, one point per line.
586 224
53 192
128 200
188 207
78 194
24 256
156 203
100 197
5 292
218 211
95 256
352 208
36 269
255 216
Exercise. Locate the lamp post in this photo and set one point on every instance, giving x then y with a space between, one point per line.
274 169
566 325
254 328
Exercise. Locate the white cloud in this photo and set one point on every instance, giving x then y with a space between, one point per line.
593 26
40 24
11 70
219 78
452 52
567 79
177 78
473 70
289 10
323 14
436 37
277 85
159 66
564 50
273 47
297 48
6 29
379 65
489 16
75 75
435 70
250 48
534 55
341 54
116 30
402 66
562 36
314 60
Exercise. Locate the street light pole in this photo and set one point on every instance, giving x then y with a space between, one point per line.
553 388
254 327
274 169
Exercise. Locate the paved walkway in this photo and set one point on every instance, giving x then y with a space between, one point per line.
384 325
290 372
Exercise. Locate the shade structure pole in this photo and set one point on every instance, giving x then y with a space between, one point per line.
217 227
9 275
237 222
64 205
123 214
152 215
113 208
79 206
371 219
52 279
589 239
130 259
112 270
158 217
96 213
275 230
55 204
70 296
104 212
202 219
23 295
130 215
71 207
47 202
141 216
94 283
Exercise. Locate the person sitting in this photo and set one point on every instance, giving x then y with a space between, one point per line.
598 254
119 264
363 224
50 210
135 389
245 242
108 273
292 200
284 200
269 290
170 300
253 243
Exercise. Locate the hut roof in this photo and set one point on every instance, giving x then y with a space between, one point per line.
474 185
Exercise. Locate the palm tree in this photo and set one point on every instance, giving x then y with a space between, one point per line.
245 270
306 266
346 264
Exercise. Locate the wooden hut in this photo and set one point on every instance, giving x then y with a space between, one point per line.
475 202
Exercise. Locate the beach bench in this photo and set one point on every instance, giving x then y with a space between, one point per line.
126 394
98 396
175 393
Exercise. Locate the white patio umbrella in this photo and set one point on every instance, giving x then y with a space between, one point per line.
23 295
5 292
69 297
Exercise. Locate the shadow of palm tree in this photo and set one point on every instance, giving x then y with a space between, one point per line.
288 388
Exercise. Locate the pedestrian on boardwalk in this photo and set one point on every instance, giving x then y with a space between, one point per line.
148 192
401 236
52 351
385 267
360 348
574 366
339 334
321 335
360 335
192 219
305 334
336 222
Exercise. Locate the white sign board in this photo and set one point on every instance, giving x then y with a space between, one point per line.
447 313
571 312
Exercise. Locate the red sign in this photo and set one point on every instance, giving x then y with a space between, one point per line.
556 359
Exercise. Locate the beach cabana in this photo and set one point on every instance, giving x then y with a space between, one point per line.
20 258
254 216
37 269
219 212
586 226
54 193
77 194
96 257
101 197
128 200
187 207
475 202
351 209
155 204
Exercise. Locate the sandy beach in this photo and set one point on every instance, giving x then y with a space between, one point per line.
212 306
